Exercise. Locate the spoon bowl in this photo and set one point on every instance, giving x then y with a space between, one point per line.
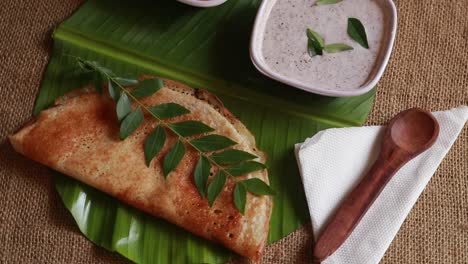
414 130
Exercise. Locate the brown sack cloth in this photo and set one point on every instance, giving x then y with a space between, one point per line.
428 69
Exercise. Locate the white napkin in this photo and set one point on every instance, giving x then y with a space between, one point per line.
332 162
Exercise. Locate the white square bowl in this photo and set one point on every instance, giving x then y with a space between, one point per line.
390 26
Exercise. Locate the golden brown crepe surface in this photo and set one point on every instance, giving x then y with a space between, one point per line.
79 137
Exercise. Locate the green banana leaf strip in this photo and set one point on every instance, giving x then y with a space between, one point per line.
174 41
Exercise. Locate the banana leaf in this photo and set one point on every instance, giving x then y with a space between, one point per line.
204 48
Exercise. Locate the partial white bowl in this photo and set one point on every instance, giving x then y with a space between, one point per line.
390 28
202 3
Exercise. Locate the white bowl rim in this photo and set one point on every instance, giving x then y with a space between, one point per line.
263 68
201 3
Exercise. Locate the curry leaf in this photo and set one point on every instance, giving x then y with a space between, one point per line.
357 32
231 156
336 47
130 123
327 2
202 171
240 197
114 92
190 128
147 88
212 143
154 143
245 167
315 36
258 187
311 49
168 110
173 158
216 187
125 81
315 43
124 107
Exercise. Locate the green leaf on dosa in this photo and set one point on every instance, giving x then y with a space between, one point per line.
245 167
130 123
212 143
216 187
173 158
114 90
124 107
258 187
125 81
231 156
201 174
168 110
154 144
190 128
147 87
240 197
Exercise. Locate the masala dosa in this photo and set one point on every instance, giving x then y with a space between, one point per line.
79 136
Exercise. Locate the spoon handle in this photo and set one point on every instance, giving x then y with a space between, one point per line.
355 205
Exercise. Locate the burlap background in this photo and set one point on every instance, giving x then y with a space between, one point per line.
429 69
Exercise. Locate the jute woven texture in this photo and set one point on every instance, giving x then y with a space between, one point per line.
428 69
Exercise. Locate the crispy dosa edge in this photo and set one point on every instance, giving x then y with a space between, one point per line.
201 94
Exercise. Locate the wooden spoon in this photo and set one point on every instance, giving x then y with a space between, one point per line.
409 133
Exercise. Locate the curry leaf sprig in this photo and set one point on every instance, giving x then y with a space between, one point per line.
215 151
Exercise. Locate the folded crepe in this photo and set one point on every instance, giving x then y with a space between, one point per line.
79 136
